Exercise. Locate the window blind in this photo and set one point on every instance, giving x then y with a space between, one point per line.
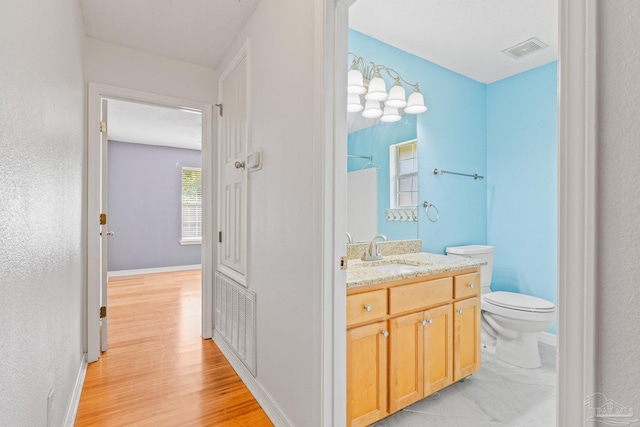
191 204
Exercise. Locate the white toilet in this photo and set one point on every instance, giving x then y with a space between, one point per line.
510 320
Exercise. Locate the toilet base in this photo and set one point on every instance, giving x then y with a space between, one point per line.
522 351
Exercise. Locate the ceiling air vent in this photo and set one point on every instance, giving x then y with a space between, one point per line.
525 48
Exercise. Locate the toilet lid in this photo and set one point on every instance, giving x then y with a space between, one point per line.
515 301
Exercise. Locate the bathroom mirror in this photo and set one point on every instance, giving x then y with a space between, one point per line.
382 178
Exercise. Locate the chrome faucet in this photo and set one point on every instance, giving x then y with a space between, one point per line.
349 238
372 254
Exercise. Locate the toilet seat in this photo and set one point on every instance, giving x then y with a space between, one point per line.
519 302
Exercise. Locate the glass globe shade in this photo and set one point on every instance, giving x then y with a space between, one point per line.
372 109
353 103
415 103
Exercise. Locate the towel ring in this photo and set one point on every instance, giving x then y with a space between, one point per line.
427 206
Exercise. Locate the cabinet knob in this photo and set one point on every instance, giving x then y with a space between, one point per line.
385 333
367 308
426 322
430 321
423 322
460 311
471 285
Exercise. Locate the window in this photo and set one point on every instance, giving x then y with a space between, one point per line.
404 175
403 168
191 206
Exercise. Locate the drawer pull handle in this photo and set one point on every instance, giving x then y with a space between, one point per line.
471 285
385 333
460 311
367 308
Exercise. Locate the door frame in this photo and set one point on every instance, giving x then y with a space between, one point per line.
577 213
97 91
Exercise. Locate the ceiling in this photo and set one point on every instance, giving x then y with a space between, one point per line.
154 125
196 31
466 36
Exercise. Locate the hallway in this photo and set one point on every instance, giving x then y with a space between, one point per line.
158 371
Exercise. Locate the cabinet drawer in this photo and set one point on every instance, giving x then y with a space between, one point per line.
419 295
466 285
366 306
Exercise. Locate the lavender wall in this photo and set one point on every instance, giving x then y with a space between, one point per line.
144 206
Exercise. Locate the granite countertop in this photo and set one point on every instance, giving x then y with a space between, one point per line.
361 273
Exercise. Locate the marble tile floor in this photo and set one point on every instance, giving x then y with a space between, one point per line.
498 395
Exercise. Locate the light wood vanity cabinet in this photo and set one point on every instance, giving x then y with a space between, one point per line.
428 338
367 373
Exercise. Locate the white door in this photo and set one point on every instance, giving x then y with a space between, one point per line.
104 233
233 180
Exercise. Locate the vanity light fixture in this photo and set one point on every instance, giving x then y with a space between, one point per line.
364 79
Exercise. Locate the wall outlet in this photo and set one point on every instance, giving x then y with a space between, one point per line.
50 407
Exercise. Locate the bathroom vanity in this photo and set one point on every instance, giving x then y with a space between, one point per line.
413 328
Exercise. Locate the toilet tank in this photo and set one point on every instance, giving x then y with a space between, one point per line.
481 252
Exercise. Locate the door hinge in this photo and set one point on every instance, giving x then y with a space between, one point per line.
103 219
343 263
103 126
219 236
103 312
220 109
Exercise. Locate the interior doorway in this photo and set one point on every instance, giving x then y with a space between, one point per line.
576 198
130 100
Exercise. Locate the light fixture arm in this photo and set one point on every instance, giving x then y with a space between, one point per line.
370 69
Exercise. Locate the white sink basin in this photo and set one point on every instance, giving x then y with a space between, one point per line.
396 268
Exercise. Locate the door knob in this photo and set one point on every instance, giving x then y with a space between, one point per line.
239 165
108 233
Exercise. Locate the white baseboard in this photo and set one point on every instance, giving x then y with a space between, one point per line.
547 338
275 414
72 411
153 270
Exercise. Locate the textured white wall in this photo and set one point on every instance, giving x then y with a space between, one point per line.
281 267
133 69
41 205
619 202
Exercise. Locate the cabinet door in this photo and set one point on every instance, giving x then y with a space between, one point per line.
366 374
466 323
405 361
438 348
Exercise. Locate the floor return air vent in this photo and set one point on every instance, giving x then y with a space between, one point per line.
235 318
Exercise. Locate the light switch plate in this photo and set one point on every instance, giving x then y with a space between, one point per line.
254 160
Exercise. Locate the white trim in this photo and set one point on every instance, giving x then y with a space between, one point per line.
547 338
190 242
333 164
74 402
97 91
275 414
577 195
118 273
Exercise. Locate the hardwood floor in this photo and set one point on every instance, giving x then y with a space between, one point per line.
158 371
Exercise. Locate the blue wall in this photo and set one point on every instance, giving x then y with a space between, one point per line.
451 136
145 211
522 152
375 141
506 131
